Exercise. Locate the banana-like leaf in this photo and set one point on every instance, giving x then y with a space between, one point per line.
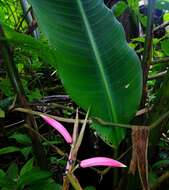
97 67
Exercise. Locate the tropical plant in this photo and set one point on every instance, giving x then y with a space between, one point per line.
97 67
82 43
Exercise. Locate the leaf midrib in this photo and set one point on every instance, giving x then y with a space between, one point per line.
98 58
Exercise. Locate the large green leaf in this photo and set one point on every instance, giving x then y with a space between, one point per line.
97 67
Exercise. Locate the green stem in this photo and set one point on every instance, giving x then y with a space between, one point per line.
74 182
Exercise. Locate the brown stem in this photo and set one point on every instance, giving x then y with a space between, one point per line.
147 55
163 25
77 140
7 57
161 60
72 155
98 120
157 76
139 154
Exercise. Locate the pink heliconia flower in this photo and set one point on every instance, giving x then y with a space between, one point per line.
100 161
59 127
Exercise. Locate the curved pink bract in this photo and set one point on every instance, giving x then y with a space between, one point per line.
100 161
59 127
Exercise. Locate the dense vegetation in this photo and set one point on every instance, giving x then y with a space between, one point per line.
83 79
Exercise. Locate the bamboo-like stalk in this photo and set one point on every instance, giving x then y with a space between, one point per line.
140 137
13 74
28 16
147 55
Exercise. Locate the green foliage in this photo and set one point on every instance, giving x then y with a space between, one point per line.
166 17
5 87
30 46
71 28
152 177
28 177
97 67
119 8
6 102
8 180
108 136
2 113
9 149
160 164
27 167
8 13
12 172
90 188
165 46
46 185
32 177
21 138
26 151
162 4
134 5
34 95
12 149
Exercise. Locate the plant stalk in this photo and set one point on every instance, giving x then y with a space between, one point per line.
7 57
147 55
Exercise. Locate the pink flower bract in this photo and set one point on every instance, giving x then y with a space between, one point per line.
100 161
59 127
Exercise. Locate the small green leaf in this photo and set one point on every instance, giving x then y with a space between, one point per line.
12 172
161 163
152 178
21 138
2 113
34 95
30 45
32 176
166 17
8 183
49 184
59 161
2 173
6 103
26 151
134 5
165 46
5 87
90 188
20 67
9 149
139 39
27 167
119 8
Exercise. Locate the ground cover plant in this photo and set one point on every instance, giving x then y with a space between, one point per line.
84 94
